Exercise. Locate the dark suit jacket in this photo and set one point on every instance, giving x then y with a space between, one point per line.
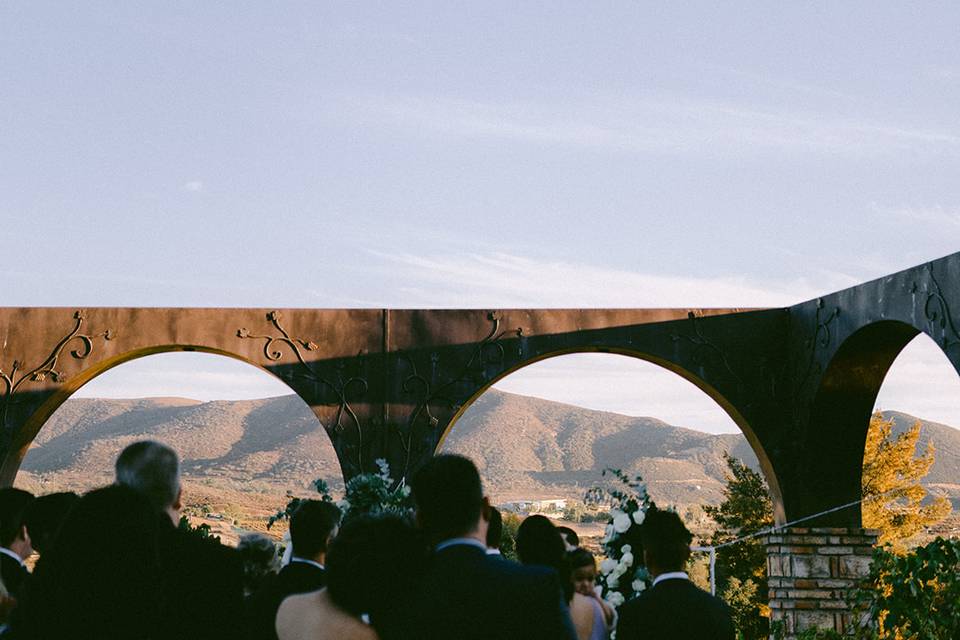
469 595
202 587
673 609
296 577
14 575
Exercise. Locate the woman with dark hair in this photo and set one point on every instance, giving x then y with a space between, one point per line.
539 542
372 564
101 578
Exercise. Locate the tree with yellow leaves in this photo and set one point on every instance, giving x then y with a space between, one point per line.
893 498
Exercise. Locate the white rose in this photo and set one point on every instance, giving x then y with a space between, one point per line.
639 515
615 512
598 590
627 559
615 598
607 566
609 532
621 522
626 548
613 580
638 585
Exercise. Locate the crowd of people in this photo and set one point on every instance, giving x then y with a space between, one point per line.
113 564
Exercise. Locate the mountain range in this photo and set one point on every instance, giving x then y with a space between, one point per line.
525 447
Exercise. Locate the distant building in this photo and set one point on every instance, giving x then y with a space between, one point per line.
556 505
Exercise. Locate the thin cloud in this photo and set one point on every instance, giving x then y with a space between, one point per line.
501 280
665 124
934 215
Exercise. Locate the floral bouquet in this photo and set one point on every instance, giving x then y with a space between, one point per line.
375 493
622 574
364 493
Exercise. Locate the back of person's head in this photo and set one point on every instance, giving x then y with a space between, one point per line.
13 504
539 542
44 516
101 577
449 497
153 469
494 528
258 553
373 564
312 525
666 540
570 537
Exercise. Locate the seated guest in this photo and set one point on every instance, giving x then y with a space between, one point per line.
539 542
258 553
674 607
372 564
313 525
570 538
467 594
15 544
45 515
202 579
494 532
101 579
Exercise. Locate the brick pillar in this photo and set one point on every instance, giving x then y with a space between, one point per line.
810 572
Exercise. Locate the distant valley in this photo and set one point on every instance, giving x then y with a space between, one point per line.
246 455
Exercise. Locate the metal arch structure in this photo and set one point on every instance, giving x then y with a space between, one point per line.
389 383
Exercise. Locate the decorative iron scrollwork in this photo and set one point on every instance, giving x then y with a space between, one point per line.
821 339
428 392
13 380
341 387
703 346
936 309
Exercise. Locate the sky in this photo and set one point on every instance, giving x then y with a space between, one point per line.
304 154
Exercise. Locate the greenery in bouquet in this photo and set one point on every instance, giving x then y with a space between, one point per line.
364 493
376 493
622 573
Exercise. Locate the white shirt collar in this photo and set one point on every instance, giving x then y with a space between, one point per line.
493 552
10 553
473 542
306 561
672 575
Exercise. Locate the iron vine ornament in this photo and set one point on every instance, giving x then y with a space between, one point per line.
13 380
936 309
489 351
341 388
703 345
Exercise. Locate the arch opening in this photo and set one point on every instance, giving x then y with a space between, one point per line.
693 389
245 439
547 430
917 406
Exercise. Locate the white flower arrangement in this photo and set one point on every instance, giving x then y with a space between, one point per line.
622 577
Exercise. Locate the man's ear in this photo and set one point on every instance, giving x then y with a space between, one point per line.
24 534
178 502
485 509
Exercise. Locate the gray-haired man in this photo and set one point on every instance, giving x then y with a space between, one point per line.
203 585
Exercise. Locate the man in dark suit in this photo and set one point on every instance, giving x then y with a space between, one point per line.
674 607
313 525
15 544
202 579
467 594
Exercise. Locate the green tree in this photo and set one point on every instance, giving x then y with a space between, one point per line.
741 568
893 498
508 542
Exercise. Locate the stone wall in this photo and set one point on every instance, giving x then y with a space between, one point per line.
810 573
